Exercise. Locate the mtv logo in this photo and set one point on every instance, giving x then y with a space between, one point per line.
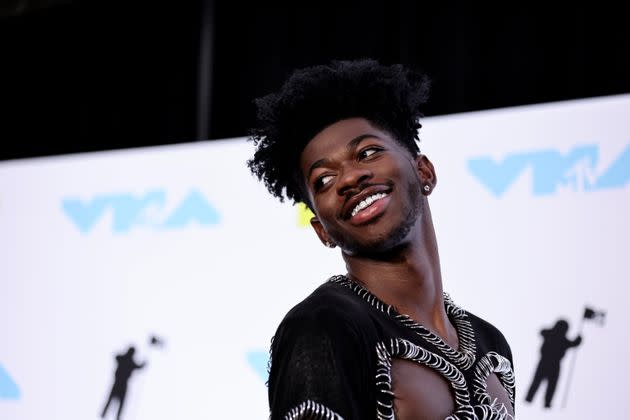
130 211
551 170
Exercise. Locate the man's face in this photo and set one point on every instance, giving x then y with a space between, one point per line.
366 189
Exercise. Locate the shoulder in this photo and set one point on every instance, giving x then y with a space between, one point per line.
332 310
489 337
330 300
318 353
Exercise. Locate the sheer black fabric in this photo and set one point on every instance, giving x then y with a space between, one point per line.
324 351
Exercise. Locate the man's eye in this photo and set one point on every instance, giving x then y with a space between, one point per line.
322 181
367 152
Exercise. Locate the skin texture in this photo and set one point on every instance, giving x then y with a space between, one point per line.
391 249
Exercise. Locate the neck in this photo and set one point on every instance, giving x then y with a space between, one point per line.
408 277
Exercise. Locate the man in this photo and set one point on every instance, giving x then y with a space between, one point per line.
382 341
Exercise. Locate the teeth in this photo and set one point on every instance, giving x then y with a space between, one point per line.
365 203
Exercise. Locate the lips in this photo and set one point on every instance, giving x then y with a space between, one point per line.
367 203
362 201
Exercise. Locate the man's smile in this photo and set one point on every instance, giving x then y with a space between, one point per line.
372 211
367 205
367 202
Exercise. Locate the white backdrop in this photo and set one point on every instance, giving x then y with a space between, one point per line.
102 251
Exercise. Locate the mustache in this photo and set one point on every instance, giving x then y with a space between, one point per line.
363 185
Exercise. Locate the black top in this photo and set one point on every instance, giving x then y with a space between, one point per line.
331 357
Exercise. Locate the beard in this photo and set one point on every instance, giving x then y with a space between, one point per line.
388 242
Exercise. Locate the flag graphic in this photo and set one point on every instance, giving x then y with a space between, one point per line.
597 316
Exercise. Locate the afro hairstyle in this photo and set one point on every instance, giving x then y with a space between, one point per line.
316 97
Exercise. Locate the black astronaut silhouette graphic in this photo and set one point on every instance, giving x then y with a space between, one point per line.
554 348
126 365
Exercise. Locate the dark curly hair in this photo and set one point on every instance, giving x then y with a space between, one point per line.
316 97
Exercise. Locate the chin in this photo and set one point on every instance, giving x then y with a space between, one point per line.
375 243
384 236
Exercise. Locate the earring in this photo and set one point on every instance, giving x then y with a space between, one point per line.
427 188
329 244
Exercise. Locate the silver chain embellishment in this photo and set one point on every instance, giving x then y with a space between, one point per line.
310 410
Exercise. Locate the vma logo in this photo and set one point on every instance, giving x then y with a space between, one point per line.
129 211
551 169
259 362
8 388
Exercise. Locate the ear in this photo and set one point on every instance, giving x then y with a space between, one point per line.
321 233
426 172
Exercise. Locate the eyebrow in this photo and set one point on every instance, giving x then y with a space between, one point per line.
351 144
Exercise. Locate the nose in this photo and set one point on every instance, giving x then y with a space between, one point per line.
352 177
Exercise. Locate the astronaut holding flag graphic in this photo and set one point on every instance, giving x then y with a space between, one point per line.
553 350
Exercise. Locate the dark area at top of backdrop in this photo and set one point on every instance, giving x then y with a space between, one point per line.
89 75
